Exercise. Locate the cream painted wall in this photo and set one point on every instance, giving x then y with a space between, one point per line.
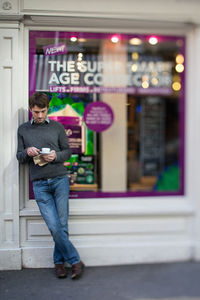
157 10
10 252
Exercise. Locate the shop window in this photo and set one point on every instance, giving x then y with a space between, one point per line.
120 98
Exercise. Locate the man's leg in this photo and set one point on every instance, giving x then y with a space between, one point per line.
60 187
43 194
61 196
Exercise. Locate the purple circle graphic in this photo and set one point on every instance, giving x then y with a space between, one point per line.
98 116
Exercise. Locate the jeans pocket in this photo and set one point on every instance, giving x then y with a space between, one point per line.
40 192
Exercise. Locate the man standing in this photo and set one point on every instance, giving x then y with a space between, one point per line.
50 181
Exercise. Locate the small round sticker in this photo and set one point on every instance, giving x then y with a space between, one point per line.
98 116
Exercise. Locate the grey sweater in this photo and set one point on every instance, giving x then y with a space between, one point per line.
46 135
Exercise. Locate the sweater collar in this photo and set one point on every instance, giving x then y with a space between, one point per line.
45 121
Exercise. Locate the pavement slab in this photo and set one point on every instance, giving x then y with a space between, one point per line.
167 281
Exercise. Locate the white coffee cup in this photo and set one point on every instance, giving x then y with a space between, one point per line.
46 150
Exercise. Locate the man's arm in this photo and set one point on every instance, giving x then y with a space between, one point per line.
24 154
21 155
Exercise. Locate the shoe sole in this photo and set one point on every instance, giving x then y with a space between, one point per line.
61 276
64 275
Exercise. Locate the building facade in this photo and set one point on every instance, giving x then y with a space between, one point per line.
123 78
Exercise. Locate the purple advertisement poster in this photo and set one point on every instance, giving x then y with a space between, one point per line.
74 131
98 116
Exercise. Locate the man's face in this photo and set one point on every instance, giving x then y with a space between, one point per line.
39 114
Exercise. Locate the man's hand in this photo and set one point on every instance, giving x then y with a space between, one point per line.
32 151
50 157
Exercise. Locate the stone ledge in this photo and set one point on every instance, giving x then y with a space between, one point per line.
38 257
10 259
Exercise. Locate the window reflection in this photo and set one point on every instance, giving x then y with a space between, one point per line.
141 79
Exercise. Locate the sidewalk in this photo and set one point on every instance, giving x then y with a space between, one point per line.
171 281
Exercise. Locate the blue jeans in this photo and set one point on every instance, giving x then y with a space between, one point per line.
52 198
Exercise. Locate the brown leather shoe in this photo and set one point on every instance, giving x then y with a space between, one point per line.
60 271
77 270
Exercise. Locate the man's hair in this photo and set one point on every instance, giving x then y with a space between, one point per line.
40 99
